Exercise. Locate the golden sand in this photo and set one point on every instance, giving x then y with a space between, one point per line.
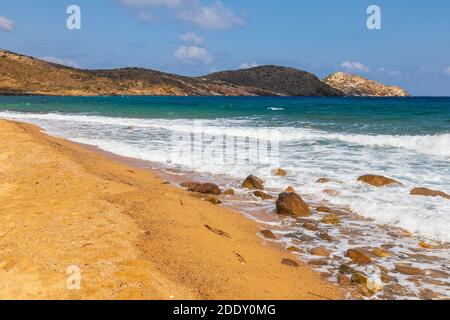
131 235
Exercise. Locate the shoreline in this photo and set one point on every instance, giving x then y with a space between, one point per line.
153 240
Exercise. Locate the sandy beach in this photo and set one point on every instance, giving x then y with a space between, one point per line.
131 235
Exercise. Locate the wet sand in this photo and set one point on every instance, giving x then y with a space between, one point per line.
131 235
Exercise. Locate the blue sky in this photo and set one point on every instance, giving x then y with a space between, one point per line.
196 37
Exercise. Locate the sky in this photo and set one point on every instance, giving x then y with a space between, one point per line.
197 37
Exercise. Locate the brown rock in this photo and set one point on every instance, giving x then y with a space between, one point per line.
344 280
377 181
214 200
325 236
310 226
359 278
318 262
289 263
331 219
427 294
424 192
320 251
268 234
206 188
323 180
189 185
332 192
292 204
346 269
324 209
279 172
229 192
290 190
358 256
408 270
262 195
381 253
425 245
293 249
253 182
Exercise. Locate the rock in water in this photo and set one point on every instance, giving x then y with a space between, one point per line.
320 251
262 195
289 189
358 256
429 193
408 270
331 218
253 182
229 192
206 188
190 184
279 172
377 181
268 234
292 204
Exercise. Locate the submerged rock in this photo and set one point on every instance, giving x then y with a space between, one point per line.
290 190
346 269
292 204
206 188
381 253
359 278
310 226
279 172
229 192
262 195
320 252
425 245
408 270
359 256
268 234
252 182
377 181
189 184
424 192
331 218
324 209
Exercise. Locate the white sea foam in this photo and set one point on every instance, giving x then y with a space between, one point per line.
307 154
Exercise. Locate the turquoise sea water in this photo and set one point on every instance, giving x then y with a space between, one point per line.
225 139
404 138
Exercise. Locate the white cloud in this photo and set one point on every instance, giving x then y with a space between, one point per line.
447 71
354 66
213 17
247 65
193 55
6 24
62 61
389 72
152 3
191 37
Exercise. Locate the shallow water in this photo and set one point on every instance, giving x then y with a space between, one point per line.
337 138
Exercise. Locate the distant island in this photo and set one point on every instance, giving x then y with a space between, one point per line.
25 75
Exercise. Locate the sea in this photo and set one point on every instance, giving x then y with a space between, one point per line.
225 139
